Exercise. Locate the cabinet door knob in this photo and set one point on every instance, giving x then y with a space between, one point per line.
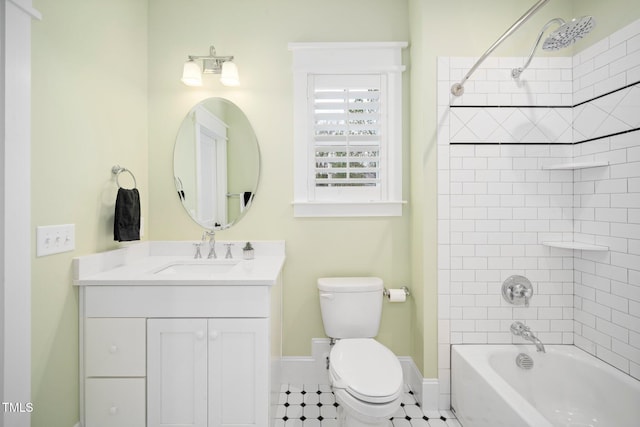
214 335
113 349
113 410
199 335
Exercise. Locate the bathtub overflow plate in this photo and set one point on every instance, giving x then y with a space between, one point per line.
524 361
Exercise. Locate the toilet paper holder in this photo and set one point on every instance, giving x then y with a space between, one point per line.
385 292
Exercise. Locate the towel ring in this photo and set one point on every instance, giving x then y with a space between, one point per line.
117 170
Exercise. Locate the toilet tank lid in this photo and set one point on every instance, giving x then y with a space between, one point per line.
350 284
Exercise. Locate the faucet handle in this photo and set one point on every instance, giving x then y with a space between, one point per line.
228 255
517 290
198 246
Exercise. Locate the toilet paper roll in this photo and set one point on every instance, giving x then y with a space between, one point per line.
397 295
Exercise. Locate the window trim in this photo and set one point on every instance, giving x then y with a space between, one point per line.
384 58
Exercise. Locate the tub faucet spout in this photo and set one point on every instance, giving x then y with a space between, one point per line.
522 330
529 336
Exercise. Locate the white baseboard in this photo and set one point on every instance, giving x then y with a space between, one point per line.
313 370
307 369
411 376
425 390
430 394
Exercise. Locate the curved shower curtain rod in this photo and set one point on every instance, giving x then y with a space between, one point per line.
458 88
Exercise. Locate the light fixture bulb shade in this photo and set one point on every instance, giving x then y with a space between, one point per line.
229 75
191 73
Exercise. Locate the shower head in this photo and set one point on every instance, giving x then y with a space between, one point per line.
567 34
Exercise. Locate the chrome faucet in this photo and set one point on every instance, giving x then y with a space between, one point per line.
522 330
212 243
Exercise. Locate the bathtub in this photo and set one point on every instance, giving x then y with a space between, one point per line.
566 387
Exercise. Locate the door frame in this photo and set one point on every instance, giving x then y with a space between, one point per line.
15 214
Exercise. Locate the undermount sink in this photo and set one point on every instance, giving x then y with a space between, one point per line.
199 268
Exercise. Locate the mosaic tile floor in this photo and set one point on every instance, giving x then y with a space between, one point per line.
314 405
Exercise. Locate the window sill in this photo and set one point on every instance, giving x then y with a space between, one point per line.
347 209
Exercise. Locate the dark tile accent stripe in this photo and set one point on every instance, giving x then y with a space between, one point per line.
548 143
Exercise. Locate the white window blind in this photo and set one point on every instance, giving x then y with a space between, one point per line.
348 139
348 155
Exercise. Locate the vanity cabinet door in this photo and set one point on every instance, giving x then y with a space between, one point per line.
177 372
207 372
238 372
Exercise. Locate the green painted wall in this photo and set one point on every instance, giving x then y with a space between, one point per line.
89 112
423 238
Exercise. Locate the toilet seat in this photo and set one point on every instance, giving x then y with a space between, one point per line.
370 413
366 369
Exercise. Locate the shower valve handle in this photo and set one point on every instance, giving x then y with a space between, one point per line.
521 291
517 290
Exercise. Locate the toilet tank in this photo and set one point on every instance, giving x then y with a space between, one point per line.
351 306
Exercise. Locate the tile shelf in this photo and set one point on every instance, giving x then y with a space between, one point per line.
576 245
577 165
573 166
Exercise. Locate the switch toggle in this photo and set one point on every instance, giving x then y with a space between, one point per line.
53 239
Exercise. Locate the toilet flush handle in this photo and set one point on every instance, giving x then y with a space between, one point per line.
326 295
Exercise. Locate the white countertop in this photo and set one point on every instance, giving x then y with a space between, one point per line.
140 264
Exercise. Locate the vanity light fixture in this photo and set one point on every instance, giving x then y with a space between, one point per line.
196 66
192 73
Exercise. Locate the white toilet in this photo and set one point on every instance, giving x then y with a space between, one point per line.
366 377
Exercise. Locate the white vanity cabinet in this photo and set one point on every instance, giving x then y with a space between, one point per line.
189 356
207 372
165 346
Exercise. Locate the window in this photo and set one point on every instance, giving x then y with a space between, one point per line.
347 135
347 119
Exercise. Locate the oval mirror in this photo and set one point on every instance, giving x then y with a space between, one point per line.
216 163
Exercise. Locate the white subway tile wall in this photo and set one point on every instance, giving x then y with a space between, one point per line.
607 284
498 201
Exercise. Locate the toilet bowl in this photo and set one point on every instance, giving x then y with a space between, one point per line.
366 377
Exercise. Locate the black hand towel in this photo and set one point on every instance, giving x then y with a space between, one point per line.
126 223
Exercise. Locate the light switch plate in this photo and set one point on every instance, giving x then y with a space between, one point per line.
53 239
